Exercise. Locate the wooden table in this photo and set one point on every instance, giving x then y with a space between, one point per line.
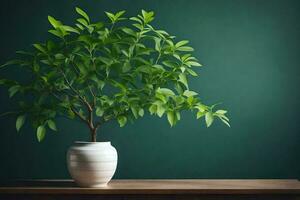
183 189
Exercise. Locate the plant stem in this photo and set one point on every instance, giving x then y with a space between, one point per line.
8 113
80 116
94 96
94 135
76 92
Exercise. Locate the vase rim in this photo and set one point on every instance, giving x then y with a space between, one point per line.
86 143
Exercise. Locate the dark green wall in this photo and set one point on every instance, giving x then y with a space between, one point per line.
251 51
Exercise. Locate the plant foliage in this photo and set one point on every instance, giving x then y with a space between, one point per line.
102 71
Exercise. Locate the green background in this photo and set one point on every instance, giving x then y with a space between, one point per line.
250 50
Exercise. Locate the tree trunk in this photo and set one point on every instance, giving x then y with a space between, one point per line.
94 135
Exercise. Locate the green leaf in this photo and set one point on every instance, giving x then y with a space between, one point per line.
59 56
170 64
201 107
13 90
191 72
115 17
46 62
111 16
209 118
223 116
162 32
141 112
181 43
36 67
147 16
105 60
171 118
136 19
213 106
138 26
179 100
189 93
119 14
157 43
79 26
100 84
25 53
51 125
190 100
83 22
182 79
144 13
70 29
125 53
182 69
122 120
159 67
40 48
222 112
99 112
71 114
164 98
200 114
225 122
177 115
54 22
98 25
3 81
193 63
165 91
160 109
121 86
11 62
152 109
186 57
170 42
51 45
40 133
134 112
56 33
82 13
129 31
126 67
185 48
20 122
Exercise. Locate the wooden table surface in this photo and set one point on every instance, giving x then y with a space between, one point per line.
154 186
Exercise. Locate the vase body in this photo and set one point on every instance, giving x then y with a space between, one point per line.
92 164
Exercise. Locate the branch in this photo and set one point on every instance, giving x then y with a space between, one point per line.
98 124
80 116
75 68
76 92
91 125
57 97
94 96
112 26
159 55
73 109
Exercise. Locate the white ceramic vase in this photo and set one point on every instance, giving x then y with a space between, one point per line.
92 164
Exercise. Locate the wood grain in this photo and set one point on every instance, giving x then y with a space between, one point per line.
157 187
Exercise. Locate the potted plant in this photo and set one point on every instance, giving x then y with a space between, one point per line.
102 71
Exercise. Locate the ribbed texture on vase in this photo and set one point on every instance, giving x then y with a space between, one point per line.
92 164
